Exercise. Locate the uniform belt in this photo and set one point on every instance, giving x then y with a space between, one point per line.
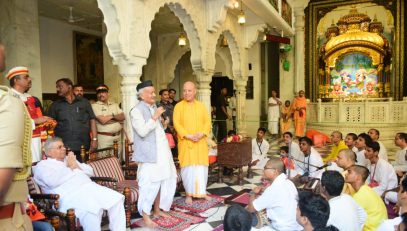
7 211
109 133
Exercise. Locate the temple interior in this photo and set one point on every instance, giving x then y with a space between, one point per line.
348 56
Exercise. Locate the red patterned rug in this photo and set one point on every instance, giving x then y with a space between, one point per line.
198 205
177 222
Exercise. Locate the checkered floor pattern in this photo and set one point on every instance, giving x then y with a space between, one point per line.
229 187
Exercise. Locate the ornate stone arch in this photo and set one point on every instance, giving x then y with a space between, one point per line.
235 53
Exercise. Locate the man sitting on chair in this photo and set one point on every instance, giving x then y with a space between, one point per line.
62 174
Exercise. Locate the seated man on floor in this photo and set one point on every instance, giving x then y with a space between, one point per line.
310 161
293 148
313 212
260 147
338 144
279 199
350 141
366 197
346 158
62 174
401 156
382 175
345 213
375 134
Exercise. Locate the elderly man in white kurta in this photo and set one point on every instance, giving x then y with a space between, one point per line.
156 173
273 113
64 175
260 147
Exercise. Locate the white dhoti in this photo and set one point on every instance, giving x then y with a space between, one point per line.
195 178
148 191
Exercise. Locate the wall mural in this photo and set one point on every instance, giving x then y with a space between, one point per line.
353 75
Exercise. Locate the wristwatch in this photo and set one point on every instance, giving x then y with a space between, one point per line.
94 139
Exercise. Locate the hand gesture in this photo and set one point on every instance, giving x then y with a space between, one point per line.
160 110
71 161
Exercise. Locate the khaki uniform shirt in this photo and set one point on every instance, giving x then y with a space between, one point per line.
15 153
100 108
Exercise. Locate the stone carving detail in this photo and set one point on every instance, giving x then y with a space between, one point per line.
377 114
353 114
397 114
330 114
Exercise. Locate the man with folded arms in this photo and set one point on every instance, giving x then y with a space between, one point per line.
108 118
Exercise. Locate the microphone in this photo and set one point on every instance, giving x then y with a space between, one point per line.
324 166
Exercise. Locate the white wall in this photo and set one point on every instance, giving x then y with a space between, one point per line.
56 46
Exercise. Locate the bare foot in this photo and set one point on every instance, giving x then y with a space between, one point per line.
160 213
188 200
208 198
148 222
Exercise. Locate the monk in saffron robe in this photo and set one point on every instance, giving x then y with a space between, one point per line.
299 108
193 126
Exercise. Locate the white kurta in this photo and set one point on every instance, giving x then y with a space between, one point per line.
76 190
346 214
390 224
295 153
310 163
280 201
382 151
259 152
154 177
383 173
361 159
273 116
401 162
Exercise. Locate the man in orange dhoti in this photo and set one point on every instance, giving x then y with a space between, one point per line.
299 108
193 126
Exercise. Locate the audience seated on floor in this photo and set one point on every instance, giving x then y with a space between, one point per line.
279 199
294 151
366 197
310 160
375 134
402 202
360 144
350 141
237 218
338 144
345 213
288 163
345 159
260 147
382 175
62 174
400 164
313 212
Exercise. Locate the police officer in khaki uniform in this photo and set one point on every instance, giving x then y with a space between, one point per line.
15 161
108 118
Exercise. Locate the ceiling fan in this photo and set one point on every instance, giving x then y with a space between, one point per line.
73 19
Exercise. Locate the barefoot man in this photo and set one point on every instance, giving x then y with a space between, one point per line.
156 173
193 126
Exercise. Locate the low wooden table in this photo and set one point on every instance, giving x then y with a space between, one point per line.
235 155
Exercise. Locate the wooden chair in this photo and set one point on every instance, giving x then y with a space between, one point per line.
108 172
48 204
234 155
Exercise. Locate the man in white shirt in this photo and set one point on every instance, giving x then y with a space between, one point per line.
382 176
156 174
350 141
294 151
390 224
345 213
260 147
375 134
62 174
279 199
401 156
311 160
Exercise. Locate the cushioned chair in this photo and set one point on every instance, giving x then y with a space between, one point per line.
48 204
110 173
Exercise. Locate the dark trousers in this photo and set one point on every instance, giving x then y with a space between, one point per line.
221 130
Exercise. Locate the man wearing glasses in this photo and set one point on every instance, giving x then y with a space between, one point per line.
62 174
279 199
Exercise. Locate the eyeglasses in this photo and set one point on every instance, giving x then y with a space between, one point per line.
265 168
59 147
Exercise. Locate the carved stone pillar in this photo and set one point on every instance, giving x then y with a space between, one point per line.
241 105
299 25
131 73
204 78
